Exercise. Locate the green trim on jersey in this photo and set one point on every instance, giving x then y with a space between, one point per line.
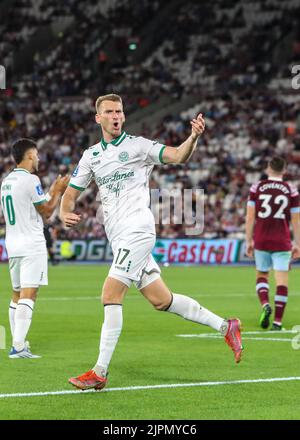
39 203
76 187
21 169
120 139
161 154
116 142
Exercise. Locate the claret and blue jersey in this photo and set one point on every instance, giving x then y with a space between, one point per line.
274 201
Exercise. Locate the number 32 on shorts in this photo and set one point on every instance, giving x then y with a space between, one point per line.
122 261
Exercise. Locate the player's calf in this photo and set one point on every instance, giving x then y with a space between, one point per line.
281 299
262 290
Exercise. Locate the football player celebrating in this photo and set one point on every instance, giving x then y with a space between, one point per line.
121 165
272 205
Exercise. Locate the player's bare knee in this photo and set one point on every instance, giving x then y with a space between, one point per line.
159 307
113 291
29 293
15 296
162 306
111 297
260 274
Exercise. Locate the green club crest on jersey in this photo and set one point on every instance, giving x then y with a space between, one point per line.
95 153
123 156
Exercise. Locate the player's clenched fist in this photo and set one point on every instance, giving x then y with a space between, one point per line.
250 249
70 219
198 125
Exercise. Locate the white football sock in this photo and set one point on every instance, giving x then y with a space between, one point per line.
191 310
111 330
11 315
23 318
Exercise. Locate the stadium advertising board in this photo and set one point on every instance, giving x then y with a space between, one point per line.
85 250
177 251
193 251
184 251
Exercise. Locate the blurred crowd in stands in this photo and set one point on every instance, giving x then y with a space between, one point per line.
222 52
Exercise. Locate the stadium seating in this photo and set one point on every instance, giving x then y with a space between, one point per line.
224 59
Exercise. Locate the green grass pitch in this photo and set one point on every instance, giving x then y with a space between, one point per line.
66 328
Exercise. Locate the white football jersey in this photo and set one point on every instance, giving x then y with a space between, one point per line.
20 193
121 170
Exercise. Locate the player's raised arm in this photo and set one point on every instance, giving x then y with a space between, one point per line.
80 180
183 153
67 216
57 189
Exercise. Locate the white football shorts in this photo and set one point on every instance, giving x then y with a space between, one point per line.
31 271
133 261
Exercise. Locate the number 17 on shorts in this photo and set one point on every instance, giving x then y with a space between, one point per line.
131 255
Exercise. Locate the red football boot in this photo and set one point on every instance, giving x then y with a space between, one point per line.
88 380
233 338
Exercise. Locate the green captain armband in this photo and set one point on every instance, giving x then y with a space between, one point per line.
40 202
76 187
161 154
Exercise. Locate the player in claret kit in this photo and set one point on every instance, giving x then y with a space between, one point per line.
121 165
273 204
25 206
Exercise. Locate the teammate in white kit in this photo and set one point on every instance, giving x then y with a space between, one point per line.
25 205
121 165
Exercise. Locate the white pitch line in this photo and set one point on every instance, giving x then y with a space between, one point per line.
151 387
213 335
250 338
69 298
270 332
269 339
200 295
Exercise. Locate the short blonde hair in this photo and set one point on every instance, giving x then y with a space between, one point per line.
109 97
